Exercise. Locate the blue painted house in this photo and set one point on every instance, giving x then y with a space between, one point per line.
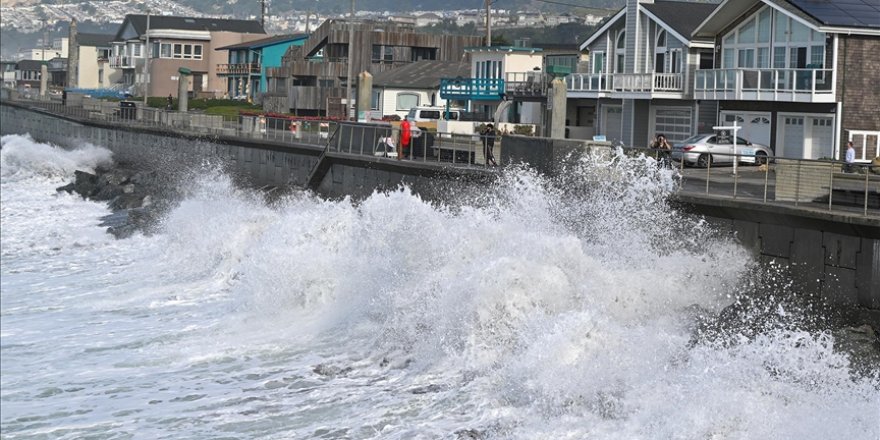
245 70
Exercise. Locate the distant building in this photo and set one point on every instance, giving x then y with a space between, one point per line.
7 68
245 70
312 80
428 19
57 68
178 42
28 74
57 50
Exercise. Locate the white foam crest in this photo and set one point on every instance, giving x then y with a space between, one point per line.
21 157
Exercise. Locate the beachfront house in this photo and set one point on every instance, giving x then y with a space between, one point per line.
798 75
247 63
313 78
177 42
639 82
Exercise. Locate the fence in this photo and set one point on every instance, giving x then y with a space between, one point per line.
829 186
818 185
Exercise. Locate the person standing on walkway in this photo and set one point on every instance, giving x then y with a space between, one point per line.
850 158
488 134
663 148
405 137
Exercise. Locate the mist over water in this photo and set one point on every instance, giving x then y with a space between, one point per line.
538 308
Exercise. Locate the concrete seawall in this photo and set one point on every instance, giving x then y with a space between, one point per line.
831 256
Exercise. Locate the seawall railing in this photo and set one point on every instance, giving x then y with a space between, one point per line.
816 185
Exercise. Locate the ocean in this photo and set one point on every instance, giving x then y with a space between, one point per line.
533 308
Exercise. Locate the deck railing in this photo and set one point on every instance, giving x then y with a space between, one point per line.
625 82
238 69
765 84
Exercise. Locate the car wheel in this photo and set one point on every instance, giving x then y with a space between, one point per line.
760 158
704 161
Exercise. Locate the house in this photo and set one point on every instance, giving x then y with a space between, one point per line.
92 69
798 75
246 65
485 90
428 19
417 84
469 17
57 68
28 74
7 68
641 72
177 42
313 78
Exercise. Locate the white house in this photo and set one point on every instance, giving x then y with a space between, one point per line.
416 84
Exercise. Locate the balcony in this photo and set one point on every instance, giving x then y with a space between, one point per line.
526 85
786 85
122 62
605 85
472 89
238 69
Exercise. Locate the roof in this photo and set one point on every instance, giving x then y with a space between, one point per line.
263 42
96 40
29 64
421 74
853 16
845 13
683 17
139 22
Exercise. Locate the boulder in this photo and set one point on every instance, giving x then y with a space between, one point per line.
85 184
69 188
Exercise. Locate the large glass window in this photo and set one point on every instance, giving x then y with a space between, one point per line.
764 19
406 101
165 50
197 51
620 53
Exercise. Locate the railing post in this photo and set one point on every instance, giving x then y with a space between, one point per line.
797 185
766 177
708 171
735 178
830 184
867 173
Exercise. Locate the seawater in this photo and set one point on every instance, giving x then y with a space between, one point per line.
537 310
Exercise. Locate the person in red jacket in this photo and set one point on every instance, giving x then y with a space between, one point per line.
405 137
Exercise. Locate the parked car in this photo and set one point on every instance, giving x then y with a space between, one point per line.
710 148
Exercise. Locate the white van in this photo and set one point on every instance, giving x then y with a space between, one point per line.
419 114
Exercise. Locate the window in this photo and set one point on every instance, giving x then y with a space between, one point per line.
187 51
100 76
406 101
375 99
598 62
621 53
423 53
165 50
383 54
137 50
660 52
154 49
675 61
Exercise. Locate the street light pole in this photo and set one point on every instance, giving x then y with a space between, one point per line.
147 61
350 65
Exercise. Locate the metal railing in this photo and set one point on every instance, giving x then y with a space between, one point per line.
765 84
625 82
821 185
383 141
238 69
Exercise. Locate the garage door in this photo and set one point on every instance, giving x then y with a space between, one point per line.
755 126
613 116
791 142
821 139
673 122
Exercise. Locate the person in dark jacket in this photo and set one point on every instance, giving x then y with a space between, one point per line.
488 136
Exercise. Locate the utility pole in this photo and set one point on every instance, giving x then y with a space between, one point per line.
350 77
488 23
263 14
147 54
308 21
45 38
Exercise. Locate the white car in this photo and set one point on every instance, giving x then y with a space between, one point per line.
703 150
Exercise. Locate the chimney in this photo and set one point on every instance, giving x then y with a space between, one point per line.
72 57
